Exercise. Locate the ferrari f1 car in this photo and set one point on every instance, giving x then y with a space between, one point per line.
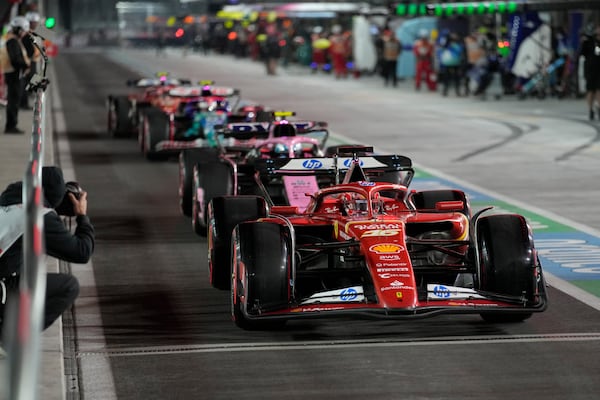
370 248
231 159
123 110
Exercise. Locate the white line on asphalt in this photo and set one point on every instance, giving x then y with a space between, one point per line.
330 344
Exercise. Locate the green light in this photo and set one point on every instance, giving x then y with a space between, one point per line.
449 10
50 22
423 9
439 10
512 6
460 9
501 7
470 9
401 9
491 8
481 8
412 9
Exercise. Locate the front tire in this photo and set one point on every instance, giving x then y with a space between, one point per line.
508 263
224 214
261 273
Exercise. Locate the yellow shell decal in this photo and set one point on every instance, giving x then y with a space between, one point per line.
386 248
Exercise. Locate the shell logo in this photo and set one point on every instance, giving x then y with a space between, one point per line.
386 248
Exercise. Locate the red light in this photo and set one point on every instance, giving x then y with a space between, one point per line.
232 35
179 33
282 43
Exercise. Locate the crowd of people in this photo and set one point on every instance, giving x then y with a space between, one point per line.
443 60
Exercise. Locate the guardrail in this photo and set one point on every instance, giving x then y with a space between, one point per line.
24 316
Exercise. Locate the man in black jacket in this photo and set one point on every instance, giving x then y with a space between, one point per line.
61 289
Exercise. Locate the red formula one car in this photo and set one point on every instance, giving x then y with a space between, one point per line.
123 110
369 248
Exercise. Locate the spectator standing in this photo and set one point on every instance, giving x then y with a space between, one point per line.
423 51
272 49
451 63
339 51
15 64
391 49
320 47
61 289
161 43
34 57
590 50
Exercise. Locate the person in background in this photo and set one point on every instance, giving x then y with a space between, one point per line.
272 49
339 50
423 51
451 62
61 289
590 50
391 49
14 63
34 57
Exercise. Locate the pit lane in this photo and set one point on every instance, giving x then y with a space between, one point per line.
164 332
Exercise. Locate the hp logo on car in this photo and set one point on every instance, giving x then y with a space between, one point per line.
348 162
348 294
312 164
441 291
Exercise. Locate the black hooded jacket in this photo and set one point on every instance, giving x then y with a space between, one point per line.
60 243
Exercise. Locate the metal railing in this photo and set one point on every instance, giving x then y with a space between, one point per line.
24 315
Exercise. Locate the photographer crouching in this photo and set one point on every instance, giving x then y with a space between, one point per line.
66 199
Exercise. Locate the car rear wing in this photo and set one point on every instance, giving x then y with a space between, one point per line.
388 168
260 130
152 82
203 91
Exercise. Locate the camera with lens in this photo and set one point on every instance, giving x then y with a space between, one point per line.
65 207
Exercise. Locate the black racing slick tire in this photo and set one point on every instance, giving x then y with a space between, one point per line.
507 263
119 116
187 159
156 129
209 180
261 273
224 214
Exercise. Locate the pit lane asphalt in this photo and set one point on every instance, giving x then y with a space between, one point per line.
164 333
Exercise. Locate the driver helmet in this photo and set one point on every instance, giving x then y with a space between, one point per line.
19 23
280 150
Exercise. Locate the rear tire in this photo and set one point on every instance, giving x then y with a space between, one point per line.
507 263
261 273
188 158
119 119
156 129
209 180
224 213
